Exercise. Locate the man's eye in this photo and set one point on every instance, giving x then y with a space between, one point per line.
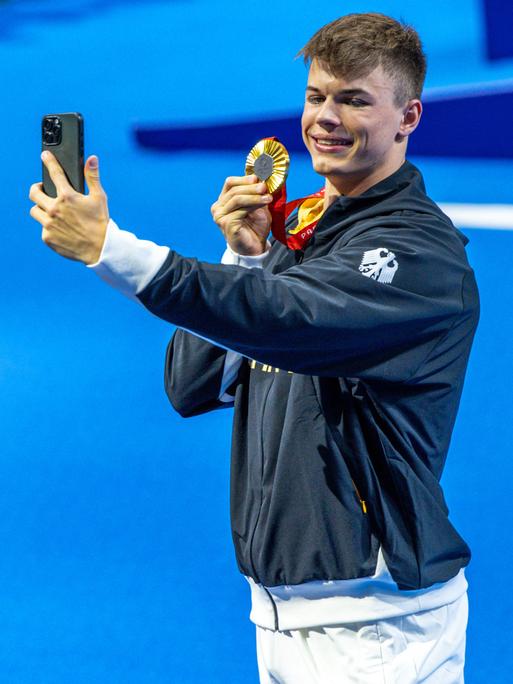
355 102
315 99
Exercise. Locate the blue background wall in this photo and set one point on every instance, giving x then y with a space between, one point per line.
115 554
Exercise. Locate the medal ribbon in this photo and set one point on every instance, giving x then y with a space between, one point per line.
280 210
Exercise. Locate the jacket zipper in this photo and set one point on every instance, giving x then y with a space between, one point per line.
362 502
255 574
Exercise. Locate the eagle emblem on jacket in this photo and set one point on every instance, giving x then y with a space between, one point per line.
379 264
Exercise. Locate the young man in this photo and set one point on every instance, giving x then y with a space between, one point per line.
345 362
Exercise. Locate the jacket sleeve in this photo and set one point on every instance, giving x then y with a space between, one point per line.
195 374
331 315
199 375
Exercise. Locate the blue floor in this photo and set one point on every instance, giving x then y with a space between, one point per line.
116 563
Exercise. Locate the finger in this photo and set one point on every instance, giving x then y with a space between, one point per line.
39 197
39 215
256 190
245 203
233 181
56 173
234 213
226 222
92 176
244 189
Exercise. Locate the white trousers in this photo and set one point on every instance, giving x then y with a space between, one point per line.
420 648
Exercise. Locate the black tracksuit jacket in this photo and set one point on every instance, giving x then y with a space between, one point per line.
347 396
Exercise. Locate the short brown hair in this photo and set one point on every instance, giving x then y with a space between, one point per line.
354 45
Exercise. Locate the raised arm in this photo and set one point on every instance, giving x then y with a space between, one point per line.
325 316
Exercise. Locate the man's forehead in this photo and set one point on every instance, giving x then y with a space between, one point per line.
321 77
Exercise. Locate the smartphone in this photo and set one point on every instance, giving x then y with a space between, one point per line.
63 135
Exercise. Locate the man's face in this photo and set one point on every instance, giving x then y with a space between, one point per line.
353 128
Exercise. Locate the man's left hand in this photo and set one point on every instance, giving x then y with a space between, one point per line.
74 225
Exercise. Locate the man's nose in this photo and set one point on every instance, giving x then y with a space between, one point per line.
328 114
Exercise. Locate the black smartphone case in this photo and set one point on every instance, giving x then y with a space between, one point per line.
69 152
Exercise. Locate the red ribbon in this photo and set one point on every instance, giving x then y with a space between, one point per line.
280 211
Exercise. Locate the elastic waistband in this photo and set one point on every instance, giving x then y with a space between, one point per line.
368 599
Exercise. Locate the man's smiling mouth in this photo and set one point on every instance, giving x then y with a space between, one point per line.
330 141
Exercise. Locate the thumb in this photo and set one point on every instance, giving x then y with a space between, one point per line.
92 176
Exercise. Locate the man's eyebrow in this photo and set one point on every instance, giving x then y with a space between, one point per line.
344 91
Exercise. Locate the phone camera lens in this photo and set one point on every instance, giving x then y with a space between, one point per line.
48 136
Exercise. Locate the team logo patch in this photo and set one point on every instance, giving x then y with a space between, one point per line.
379 264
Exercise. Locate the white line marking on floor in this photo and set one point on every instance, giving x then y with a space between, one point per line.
492 216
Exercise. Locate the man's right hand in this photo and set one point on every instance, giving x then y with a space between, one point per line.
242 214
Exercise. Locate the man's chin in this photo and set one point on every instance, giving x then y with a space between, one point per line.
332 167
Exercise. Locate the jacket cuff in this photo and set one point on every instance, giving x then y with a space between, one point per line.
231 258
127 263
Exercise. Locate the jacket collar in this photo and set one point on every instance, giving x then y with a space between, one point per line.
402 191
407 175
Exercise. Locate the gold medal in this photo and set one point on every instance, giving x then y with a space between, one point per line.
269 160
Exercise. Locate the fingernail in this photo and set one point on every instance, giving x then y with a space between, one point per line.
44 155
93 163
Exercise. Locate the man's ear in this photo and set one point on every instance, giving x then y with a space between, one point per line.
411 117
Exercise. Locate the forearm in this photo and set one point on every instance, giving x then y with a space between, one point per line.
322 317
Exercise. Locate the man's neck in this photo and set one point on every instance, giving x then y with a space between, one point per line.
336 186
